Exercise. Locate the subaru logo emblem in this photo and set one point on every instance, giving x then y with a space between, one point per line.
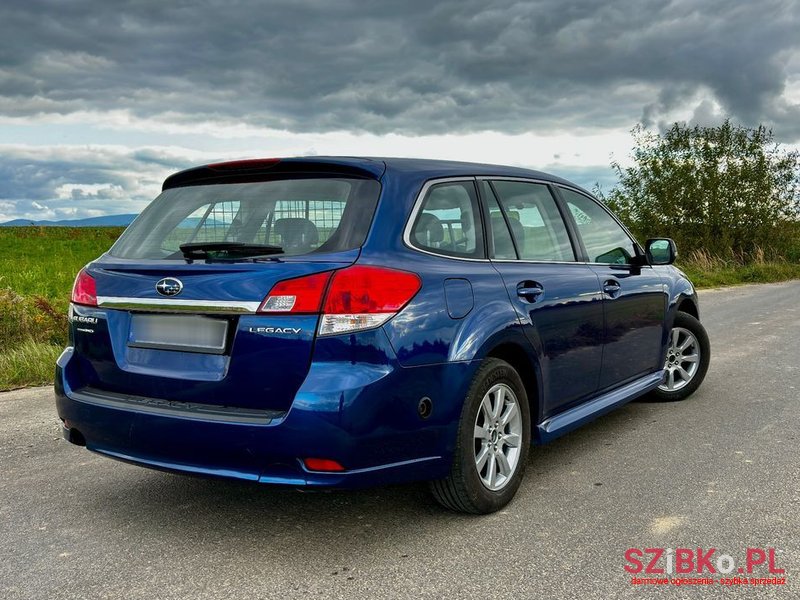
169 286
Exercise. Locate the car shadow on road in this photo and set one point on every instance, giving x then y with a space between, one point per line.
348 522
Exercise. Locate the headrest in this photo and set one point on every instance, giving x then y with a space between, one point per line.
297 232
428 230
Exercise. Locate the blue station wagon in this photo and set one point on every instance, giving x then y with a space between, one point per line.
348 322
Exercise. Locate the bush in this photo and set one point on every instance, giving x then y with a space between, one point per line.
725 190
30 318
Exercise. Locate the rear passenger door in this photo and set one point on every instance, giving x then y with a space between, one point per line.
634 296
558 301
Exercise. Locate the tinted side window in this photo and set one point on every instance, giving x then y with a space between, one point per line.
605 241
448 221
536 224
502 246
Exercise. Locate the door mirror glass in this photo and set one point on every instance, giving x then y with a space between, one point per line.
661 251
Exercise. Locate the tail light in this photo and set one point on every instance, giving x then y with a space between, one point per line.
357 298
300 295
84 291
363 297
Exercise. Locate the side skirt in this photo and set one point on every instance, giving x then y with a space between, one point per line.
558 425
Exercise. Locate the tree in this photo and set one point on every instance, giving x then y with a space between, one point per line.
729 190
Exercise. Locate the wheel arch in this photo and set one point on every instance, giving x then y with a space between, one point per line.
518 357
688 306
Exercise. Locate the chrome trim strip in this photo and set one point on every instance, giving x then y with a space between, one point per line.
178 305
511 178
437 255
540 262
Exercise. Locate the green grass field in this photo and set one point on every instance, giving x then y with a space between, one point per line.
37 268
39 264
43 261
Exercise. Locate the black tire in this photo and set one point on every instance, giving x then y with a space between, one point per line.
463 491
687 321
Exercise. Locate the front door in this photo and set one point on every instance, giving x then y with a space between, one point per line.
634 296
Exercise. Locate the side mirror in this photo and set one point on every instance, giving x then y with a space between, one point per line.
661 251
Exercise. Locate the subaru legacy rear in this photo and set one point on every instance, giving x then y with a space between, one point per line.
345 322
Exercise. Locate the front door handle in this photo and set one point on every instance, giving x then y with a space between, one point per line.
612 288
530 291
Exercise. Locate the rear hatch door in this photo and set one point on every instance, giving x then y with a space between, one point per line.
189 330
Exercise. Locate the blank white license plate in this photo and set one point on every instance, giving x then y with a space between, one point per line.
186 333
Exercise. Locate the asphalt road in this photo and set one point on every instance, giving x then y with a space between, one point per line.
720 470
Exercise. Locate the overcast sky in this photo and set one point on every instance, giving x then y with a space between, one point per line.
100 100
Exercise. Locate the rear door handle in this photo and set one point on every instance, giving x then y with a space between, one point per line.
530 291
612 288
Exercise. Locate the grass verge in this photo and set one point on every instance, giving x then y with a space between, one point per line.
706 270
30 363
736 275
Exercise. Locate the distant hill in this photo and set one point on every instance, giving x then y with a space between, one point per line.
107 221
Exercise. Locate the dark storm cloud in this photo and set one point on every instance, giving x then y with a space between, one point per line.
37 174
410 67
69 182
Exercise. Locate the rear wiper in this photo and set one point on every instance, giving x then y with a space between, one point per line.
226 250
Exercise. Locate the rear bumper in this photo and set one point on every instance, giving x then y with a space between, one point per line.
364 416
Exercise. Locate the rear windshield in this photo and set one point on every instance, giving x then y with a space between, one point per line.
301 216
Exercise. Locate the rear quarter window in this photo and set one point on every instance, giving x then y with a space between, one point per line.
448 221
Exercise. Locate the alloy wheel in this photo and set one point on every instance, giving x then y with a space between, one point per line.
498 435
683 360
